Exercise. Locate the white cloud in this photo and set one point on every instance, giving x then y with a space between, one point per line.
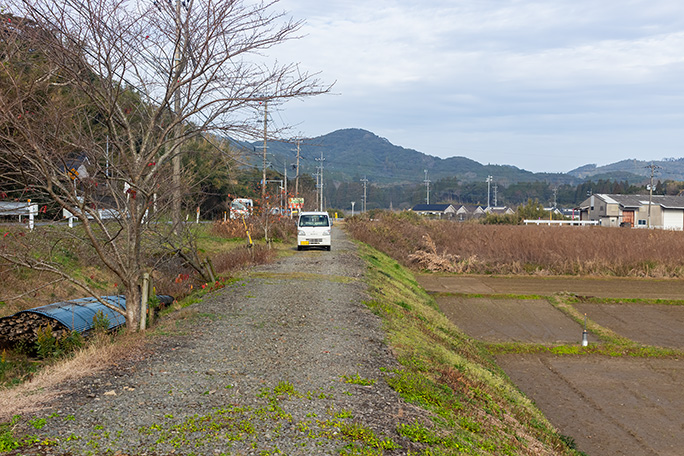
499 75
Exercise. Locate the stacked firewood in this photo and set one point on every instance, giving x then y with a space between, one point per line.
24 326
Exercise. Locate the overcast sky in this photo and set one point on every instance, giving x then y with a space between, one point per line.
541 85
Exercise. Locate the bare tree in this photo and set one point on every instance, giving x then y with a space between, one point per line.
97 98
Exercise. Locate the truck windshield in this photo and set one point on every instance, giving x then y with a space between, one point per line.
313 220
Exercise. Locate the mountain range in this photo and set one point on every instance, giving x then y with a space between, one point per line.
352 154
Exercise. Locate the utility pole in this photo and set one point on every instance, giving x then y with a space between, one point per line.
489 184
496 192
317 184
353 203
286 205
263 177
297 176
650 191
427 187
320 171
365 183
555 197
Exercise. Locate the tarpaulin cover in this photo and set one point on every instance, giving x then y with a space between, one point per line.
78 314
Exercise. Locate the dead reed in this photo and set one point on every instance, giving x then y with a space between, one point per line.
279 228
516 249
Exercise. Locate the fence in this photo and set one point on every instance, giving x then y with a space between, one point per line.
563 222
20 209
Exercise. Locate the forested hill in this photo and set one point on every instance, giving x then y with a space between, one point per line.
351 154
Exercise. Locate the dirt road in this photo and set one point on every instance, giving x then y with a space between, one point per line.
288 360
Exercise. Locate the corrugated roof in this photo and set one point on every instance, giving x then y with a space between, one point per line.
78 314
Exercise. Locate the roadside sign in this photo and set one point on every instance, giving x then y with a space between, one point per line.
295 203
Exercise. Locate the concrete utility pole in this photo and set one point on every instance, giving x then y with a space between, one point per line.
263 177
365 183
427 187
297 176
489 185
496 190
320 171
352 203
650 192
284 207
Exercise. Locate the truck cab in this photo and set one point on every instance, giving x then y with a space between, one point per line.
314 230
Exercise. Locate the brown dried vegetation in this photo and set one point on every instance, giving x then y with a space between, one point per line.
439 245
24 289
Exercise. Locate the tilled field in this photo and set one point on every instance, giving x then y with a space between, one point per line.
609 406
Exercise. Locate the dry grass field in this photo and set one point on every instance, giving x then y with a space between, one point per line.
525 293
447 246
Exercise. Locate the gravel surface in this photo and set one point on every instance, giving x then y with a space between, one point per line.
287 361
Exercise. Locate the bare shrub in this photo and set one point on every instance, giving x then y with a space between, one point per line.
428 258
280 228
241 258
515 249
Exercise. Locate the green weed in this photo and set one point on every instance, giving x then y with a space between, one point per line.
357 380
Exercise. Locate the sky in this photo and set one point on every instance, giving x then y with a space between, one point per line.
546 86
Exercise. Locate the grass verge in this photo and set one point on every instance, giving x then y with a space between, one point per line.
475 408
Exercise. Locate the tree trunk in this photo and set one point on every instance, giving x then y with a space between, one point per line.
133 307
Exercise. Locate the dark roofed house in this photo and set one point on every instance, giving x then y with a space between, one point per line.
435 210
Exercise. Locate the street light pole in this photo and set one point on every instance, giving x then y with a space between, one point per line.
489 184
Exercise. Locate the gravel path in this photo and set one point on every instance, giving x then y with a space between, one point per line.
287 361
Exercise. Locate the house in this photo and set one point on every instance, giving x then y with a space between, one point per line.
502 210
468 212
435 210
640 211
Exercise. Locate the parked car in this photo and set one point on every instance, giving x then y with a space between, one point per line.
241 207
314 229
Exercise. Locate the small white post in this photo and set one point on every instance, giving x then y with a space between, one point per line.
197 215
585 338
32 213
71 222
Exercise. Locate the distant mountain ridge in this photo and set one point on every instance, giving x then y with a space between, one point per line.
353 153
671 168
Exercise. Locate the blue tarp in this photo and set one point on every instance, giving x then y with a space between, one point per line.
78 314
